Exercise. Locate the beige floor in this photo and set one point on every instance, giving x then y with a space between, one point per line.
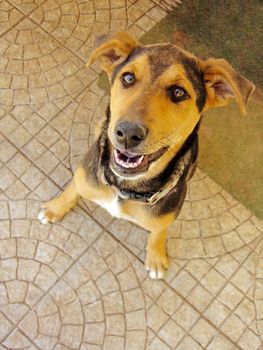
81 284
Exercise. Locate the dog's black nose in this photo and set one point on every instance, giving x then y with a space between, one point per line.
129 134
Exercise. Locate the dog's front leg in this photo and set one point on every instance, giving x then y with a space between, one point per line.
84 185
157 261
55 209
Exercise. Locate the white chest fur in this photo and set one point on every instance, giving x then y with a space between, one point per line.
112 206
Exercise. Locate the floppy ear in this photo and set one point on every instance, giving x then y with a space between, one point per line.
223 84
113 50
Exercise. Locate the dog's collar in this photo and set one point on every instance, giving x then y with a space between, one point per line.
154 197
136 196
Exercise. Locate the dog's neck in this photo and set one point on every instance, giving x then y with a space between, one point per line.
143 190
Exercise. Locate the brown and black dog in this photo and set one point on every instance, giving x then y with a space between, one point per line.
146 152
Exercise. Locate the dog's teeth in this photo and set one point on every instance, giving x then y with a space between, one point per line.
129 164
139 161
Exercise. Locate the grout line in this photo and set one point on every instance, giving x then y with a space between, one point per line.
33 161
29 13
55 39
74 261
18 22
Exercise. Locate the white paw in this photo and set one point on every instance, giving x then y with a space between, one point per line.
156 265
155 274
42 217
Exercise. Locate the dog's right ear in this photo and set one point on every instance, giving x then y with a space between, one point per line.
113 50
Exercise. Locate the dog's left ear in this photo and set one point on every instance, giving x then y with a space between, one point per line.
223 84
113 50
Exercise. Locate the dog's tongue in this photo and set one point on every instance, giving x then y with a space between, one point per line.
127 154
127 160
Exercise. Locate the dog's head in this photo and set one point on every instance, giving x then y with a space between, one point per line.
158 93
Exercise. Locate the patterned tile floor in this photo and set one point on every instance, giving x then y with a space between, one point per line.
81 284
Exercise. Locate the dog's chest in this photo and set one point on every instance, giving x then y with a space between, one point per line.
113 207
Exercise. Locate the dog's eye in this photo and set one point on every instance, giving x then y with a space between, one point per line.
127 79
177 93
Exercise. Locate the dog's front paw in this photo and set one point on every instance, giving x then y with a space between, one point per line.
45 216
156 264
50 212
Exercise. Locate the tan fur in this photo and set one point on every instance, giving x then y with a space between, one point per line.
170 131
169 125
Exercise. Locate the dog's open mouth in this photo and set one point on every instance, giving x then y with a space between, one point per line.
131 163
128 160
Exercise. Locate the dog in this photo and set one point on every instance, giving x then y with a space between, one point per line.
147 148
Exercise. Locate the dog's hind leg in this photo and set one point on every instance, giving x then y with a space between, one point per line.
55 209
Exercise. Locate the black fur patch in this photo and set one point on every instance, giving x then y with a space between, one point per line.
196 77
97 153
173 201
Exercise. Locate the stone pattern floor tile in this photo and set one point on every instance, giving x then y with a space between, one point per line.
38 69
9 17
75 23
26 6
81 284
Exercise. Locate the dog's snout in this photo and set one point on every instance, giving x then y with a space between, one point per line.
129 134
